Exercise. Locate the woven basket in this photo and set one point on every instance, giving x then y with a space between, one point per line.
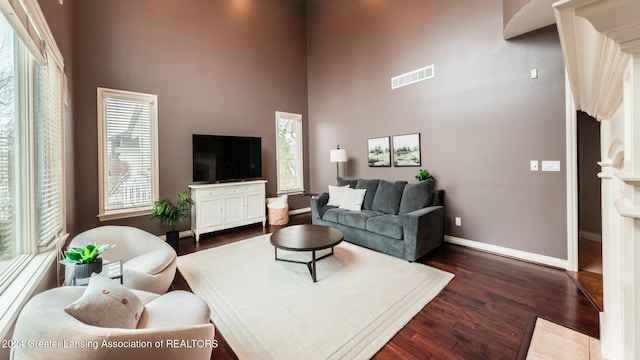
278 216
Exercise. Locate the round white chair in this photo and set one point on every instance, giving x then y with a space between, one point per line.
148 263
47 332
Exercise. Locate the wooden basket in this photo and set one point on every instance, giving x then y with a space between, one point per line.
278 216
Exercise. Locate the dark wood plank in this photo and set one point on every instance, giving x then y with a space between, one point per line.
591 284
485 312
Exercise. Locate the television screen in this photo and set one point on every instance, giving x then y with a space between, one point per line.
223 158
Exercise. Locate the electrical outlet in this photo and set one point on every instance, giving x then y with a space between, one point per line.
458 221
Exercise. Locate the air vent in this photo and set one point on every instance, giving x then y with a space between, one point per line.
413 77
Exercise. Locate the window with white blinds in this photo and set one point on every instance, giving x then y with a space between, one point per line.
49 178
127 125
32 200
289 153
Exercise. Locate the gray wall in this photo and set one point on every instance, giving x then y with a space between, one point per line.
481 120
225 67
218 67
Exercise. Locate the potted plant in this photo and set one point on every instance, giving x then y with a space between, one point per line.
170 214
423 174
85 259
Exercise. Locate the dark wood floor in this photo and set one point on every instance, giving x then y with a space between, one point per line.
484 312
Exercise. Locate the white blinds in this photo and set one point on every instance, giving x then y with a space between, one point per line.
129 150
49 179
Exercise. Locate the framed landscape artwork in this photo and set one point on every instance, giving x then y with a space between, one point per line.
379 151
406 150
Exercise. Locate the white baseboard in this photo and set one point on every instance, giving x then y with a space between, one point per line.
300 211
518 254
587 235
183 234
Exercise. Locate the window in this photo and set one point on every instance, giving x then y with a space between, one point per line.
128 154
48 131
9 149
289 153
32 206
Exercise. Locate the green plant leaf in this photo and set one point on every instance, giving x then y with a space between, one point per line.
169 213
84 255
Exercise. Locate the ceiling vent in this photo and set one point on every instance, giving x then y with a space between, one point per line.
413 77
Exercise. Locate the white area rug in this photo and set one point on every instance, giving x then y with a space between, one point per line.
269 309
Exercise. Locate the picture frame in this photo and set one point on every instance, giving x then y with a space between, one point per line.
379 152
406 150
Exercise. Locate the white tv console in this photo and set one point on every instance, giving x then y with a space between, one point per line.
227 205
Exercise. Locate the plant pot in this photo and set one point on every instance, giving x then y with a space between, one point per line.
84 271
172 238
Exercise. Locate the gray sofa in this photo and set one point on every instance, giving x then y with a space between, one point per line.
397 218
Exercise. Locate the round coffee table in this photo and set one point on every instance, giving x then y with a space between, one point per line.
306 238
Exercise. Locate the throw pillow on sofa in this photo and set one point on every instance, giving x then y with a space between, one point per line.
336 194
388 196
107 303
352 199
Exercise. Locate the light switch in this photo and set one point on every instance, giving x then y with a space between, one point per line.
534 165
551 165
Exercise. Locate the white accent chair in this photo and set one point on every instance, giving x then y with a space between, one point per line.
148 263
47 332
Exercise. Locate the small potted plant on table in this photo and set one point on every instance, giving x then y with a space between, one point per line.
170 214
86 259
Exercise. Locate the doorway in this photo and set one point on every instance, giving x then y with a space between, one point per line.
589 275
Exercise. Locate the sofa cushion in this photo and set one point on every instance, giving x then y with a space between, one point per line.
388 196
357 219
106 303
350 182
332 214
371 186
415 196
352 199
387 225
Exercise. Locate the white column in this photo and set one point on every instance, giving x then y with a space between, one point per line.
627 203
631 274
611 320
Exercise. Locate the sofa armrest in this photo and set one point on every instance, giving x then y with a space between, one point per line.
423 231
317 203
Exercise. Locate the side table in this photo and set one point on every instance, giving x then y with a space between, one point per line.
112 269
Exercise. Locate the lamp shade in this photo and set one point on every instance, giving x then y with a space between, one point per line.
338 155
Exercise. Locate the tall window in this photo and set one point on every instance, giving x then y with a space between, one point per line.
289 153
128 156
9 149
32 207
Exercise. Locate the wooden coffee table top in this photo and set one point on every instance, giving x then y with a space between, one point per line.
306 237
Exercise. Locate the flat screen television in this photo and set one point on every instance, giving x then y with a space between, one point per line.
219 158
